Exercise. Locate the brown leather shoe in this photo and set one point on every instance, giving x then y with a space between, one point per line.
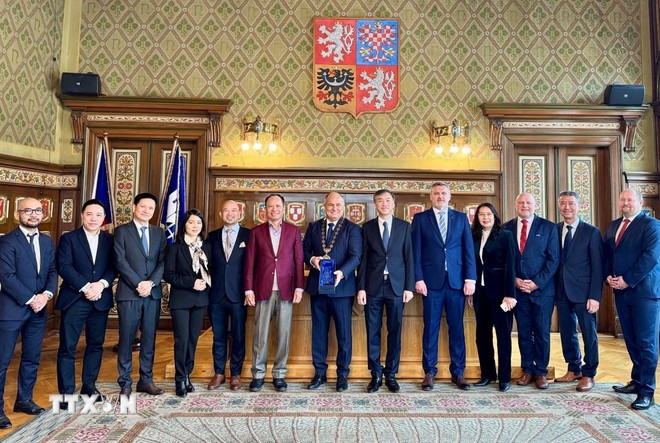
570 376
460 382
235 383
585 384
541 382
429 381
525 379
216 381
149 388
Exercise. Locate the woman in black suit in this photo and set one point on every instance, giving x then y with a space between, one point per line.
187 271
494 298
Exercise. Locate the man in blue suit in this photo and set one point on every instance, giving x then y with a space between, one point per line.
386 280
579 285
537 259
227 308
445 273
632 266
340 239
85 261
28 280
140 253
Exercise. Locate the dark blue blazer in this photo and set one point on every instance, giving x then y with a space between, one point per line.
398 257
498 265
227 276
430 251
134 265
18 274
76 267
540 260
581 267
637 258
346 253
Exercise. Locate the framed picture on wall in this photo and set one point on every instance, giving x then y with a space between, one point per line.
319 211
296 213
471 210
410 209
356 212
259 213
4 209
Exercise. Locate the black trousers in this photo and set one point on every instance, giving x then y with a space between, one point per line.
488 314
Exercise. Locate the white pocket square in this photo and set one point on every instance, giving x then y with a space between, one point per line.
242 245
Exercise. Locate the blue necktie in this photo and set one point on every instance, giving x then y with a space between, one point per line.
328 235
386 235
567 241
145 245
442 224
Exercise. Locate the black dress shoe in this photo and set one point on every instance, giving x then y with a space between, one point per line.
280 384
392 384
64 406
28 407
485 382
642 402
374 385
317 381
149 388
91 392
4 421
460 381
189 385
630 388
181 390
342 384
256 384
505 387
126 391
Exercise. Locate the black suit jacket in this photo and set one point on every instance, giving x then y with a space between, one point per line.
134 265
76 267
398 257
179 274
581 268
19 280
346 253
227 275
498 265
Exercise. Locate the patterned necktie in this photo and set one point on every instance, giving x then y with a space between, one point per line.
228 244
523 235
626 222
567 241
442 224
328 235
386 235
145 245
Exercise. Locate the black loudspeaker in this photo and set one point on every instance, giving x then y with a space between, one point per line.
624 95
74 83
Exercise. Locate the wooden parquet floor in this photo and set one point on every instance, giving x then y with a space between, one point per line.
614 367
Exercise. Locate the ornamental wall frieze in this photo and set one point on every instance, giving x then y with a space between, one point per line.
647 189
561 125
346 185
17 176
147 119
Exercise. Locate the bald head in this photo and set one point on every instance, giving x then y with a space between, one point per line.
231 213
29 213
334 206
525 205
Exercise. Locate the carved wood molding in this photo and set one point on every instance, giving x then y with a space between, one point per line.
115 111
570 119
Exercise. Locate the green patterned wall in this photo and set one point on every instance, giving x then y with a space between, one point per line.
30 38
454 55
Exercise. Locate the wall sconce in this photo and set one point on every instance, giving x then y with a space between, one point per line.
258 127
459 131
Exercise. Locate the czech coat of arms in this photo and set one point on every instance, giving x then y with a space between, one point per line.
356 65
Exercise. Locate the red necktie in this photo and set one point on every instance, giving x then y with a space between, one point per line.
523 235
626 222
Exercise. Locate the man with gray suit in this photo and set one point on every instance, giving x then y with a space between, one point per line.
579 285
140 252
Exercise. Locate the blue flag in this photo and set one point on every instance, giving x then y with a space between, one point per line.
102 187
174 193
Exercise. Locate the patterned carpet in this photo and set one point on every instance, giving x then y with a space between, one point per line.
480 415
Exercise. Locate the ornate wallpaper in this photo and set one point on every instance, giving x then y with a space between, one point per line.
30 41
454 55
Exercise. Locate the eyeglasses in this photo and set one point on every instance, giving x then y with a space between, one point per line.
29 211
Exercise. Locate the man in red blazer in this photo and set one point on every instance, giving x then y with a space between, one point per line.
274 278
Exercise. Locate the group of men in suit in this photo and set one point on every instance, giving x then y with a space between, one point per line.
564 263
